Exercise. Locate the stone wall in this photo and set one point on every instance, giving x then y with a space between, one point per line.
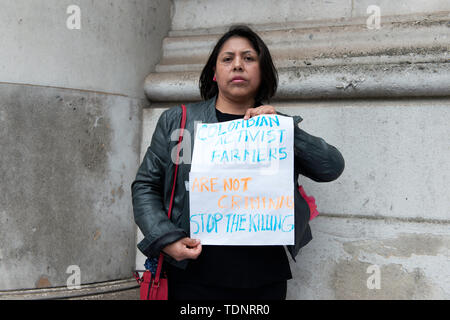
70 131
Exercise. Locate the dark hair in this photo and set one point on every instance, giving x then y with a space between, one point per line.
269 75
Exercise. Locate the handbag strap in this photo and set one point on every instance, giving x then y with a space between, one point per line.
180 138
169 214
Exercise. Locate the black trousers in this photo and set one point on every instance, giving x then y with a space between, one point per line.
193 291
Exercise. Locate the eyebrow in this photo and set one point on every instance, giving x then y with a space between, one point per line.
246 51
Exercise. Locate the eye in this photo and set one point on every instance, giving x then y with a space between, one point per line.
249 58
226 59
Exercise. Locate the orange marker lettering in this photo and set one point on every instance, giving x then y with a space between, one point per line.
203 184
234 203
221 198
245 180
213 184
195 185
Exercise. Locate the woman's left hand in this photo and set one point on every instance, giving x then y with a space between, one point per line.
265 109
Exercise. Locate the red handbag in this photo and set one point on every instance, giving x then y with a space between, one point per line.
157 288
311 203
152 290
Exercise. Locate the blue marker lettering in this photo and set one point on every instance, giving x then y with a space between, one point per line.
281 135
228 138
274 119
224 155
240 135
279 223
220 130
264 121
269 222
235 154
203 221
291 225
259 160
217 218
214 155
271 155
269 133
235 223
284 152
253 137
241 220
228 221
192 220
246 153
212 131
231 126
259 222
200 131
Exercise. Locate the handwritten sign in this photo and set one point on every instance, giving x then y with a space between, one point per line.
241 186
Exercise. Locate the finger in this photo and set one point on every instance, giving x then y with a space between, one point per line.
267 109
248 114
252 112
258 111
270 110
195 252
191 242
186 252
191 253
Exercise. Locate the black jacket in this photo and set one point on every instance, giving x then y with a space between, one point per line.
151 190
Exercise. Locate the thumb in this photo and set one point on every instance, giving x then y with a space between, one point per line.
191 242
248 114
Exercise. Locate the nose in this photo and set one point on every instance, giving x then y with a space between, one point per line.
237 63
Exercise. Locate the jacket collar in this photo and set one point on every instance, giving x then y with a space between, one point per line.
210 110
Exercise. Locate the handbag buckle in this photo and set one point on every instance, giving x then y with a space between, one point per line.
138 277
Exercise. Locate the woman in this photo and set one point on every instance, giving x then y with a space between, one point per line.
237 78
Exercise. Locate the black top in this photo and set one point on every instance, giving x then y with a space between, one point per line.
235 266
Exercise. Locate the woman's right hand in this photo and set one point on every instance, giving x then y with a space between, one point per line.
185 248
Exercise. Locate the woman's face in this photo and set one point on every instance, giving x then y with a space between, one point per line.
237 69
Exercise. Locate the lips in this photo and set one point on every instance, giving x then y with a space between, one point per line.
238 79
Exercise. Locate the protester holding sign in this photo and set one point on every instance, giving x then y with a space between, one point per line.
240 192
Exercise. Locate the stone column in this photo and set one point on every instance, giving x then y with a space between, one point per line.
71 99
